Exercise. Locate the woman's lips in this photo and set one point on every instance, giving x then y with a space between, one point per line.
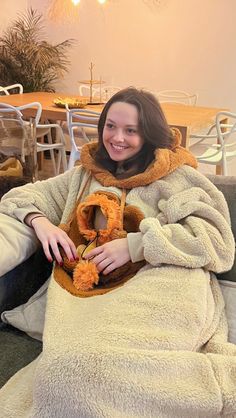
118 147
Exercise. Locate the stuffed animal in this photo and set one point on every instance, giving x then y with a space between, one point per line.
117 220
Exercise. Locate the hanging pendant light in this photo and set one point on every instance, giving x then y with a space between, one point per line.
67 9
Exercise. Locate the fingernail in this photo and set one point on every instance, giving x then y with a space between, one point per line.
61 263
50 260
72 259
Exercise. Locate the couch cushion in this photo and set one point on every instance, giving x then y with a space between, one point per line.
29 317
20 283
11 243
229 293
227 185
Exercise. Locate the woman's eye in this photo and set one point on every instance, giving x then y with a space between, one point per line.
109 125
131 131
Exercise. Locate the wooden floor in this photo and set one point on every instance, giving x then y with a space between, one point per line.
46 170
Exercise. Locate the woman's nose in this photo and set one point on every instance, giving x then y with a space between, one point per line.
119 135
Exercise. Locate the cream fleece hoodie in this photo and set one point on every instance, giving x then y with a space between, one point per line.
154 347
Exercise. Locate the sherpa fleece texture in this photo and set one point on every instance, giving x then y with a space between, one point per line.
154 347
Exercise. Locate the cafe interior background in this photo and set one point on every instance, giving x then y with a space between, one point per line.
164 44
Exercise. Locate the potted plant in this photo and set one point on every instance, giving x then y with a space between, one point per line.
27 58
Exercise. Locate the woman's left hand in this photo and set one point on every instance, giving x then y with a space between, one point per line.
110 256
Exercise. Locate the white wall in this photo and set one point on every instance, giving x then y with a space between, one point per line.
183 44
9 10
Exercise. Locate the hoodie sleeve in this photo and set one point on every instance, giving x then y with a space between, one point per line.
196 232
48 197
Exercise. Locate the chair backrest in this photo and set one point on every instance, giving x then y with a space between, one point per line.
17 144
12 128
17 110
81 118
108 91
35 105
219 143
177 96
225 131
7 89
7 110
84 90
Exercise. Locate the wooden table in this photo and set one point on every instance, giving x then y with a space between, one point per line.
49 109
187 118
190 117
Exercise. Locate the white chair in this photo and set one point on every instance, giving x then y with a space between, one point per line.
17 145
7 90
108 91
42 130
84 90
45 129
177 96
218 146
77 122
103 94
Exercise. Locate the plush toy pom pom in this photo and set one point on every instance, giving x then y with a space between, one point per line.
85 275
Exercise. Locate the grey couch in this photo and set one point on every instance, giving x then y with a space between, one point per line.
18 349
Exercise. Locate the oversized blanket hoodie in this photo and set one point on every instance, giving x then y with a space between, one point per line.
157 346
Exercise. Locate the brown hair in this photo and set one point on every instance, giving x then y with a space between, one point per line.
152 126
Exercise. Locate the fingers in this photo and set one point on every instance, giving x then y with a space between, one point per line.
93 253
105 266
69 248
47 251
52 238
109 268
103 260
52 245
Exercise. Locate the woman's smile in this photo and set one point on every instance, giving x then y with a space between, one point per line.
118 147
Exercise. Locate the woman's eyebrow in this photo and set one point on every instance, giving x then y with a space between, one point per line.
129 124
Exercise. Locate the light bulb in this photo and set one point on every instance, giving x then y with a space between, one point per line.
101 1
75 2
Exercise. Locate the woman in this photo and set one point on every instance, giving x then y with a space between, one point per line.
155 346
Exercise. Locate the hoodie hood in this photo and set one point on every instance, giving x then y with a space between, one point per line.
166 161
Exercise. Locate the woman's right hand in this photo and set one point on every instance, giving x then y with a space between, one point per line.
51 237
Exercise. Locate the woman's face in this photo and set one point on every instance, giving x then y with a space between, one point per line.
121 137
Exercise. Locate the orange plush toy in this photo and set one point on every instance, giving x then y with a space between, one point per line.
115 220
